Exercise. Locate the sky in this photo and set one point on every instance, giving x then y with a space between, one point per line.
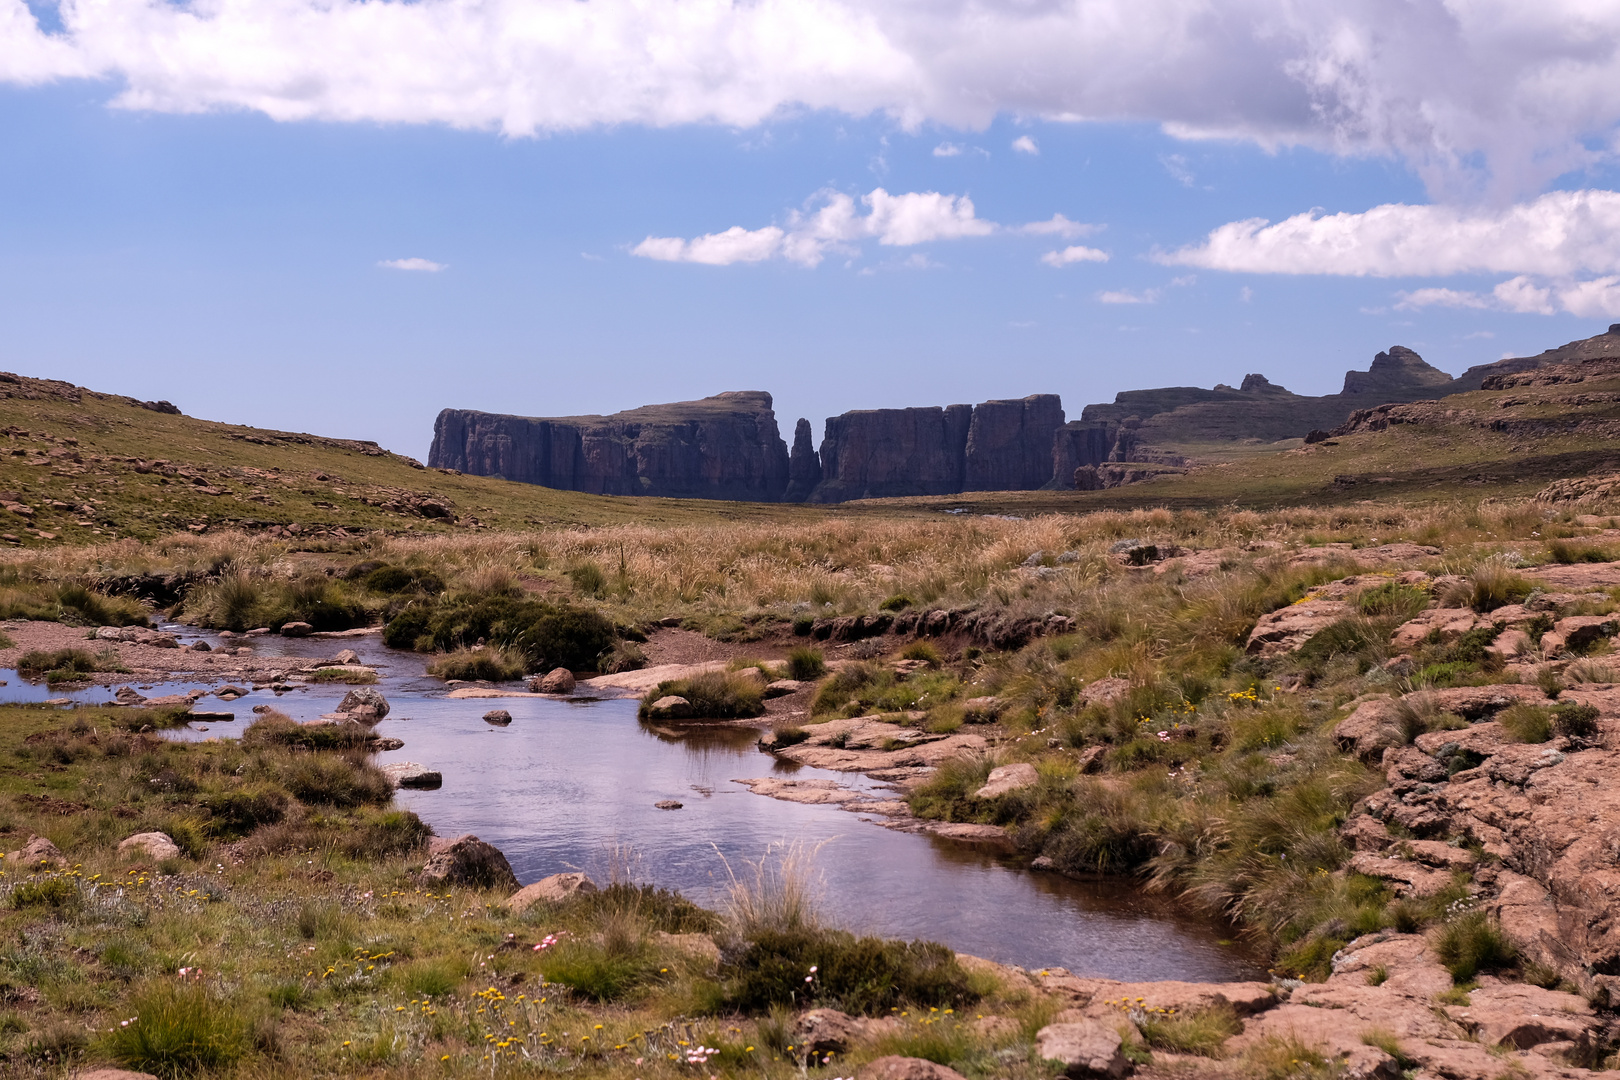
341 216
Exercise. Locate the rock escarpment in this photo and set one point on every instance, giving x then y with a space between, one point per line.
995 446
721 447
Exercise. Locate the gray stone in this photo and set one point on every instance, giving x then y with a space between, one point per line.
1085 1049
783 687
409 774
467 860
552 890
363 698
296 629
1008 778
498 717
149 845
670 707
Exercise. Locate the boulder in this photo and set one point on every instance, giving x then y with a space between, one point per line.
296 629
783 687
1577 633
498 717
1085 1049
364 703
668 804
345 657
1286 630
982 709
552 890
128 695
467 860
38 850
409 774
1005 779
895 1067
670 707
200 646
149 845
1104 691
822 1030
556 681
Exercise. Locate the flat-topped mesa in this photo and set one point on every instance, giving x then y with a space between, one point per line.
721 447
887 453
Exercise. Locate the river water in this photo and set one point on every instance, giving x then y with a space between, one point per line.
569 782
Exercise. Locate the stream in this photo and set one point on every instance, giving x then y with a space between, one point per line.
570 781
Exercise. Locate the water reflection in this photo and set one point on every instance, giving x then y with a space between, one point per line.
568 779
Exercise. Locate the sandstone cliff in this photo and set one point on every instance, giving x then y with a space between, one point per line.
995 446
721 447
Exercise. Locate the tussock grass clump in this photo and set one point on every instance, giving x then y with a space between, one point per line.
805 663
491 663
67 665
1494 584
336 780
925 651
277 729
624 656
1526 723
1471 943
1564 551
714 695
346 678
181 1028
49 892
243 601
1575 721
1196 1031
836 968
1391 600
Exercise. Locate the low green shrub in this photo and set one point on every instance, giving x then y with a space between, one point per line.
924 651
806 663
491 663
51 892
714 695
181 1028
624 656
1575 721
1471 943
274 729
397 579
835 968
548 635
897 602
239 811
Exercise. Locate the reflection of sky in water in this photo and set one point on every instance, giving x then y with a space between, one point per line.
568 779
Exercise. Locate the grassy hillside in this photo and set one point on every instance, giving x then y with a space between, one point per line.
79 466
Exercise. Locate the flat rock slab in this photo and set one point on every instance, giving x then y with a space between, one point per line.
1106 997
410 774
1085 1048
895 1067
1005 779
1576 577
626 683
1284 631
811 792
552 890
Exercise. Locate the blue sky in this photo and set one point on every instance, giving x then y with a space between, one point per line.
171 233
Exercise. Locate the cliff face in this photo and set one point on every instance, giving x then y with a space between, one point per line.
884 453
804 464
721 447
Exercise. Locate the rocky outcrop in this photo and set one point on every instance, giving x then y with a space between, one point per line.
804 464
886 453
467 860
721 447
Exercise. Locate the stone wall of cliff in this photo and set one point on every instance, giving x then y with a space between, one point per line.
885 453
721 447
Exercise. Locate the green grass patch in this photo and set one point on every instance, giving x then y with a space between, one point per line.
714 695
181 1028
490 664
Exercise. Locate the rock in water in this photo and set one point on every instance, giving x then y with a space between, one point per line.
498 717
670 707
364 703
721 447
408 774
467 860
552 890
149 845
296 629
557 681
1086 1049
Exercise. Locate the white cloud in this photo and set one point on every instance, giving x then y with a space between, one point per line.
420 265
1561 233
1245 294
1070 255
1124 296
1490 96
946 149
837 225
1176 166
1058 225
1422 298
1025 145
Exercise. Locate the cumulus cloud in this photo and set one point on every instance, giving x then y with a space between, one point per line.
948 149
1025 145
837 225
1070 255
1058 225
1489 97
419 265
1561 233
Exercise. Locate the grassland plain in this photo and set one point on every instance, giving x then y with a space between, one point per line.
1162 747
1109 653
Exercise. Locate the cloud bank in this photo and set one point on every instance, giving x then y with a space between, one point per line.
904 220
1553 245
1487 97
